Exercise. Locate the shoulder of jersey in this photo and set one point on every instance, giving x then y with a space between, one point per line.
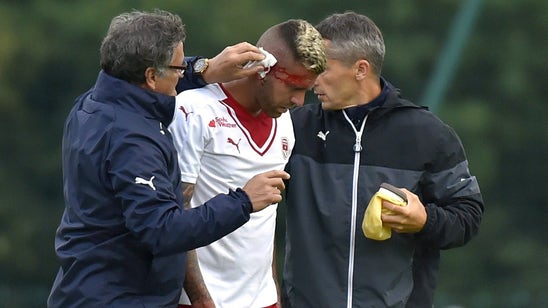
199 96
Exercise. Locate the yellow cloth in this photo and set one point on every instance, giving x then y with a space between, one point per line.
372 223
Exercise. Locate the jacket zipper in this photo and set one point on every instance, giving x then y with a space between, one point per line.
357 151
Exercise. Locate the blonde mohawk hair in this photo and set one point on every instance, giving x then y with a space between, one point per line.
310 47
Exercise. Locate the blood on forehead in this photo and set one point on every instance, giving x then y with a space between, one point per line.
297 81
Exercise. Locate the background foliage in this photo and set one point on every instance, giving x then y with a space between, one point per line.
494 100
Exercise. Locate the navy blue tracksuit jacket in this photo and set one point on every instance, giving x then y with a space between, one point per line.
123 237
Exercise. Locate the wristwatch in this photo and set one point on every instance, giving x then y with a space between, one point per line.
200 66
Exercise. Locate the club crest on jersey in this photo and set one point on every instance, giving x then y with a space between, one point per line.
285 147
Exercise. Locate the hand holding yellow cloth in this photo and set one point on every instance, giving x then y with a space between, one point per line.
372 224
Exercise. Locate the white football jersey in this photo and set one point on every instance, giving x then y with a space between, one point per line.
221 146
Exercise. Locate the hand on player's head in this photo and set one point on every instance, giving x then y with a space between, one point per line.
228 65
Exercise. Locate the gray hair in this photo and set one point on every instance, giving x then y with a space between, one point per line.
138 40
353 37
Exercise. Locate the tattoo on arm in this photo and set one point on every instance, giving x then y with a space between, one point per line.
194 284
188 192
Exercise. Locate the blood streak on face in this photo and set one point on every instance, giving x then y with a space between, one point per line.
296 81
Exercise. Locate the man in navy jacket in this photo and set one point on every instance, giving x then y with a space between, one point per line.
123 237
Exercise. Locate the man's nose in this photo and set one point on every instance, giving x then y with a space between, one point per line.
298 99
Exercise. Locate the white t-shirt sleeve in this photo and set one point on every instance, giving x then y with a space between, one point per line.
189 136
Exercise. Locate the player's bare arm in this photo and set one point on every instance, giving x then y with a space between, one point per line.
275 276
194 284
188 191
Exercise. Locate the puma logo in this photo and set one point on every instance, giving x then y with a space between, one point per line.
139 180
182 108
237 145
323 135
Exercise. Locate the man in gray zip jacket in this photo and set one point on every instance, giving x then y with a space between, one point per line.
362 134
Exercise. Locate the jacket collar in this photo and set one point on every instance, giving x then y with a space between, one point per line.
393 97
121 93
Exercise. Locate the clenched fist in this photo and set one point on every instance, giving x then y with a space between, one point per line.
265 188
